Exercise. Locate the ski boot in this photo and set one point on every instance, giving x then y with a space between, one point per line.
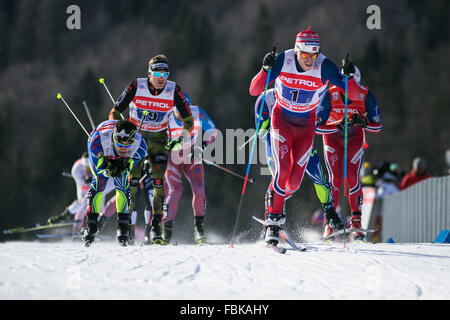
156 230
123 231
274 223
199 230
356 223
333 221
91 228
167 230
267 207
65 216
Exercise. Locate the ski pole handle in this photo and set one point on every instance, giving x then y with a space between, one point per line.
145 117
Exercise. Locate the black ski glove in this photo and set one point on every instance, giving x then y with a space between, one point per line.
348 67
360 120
269 59
341 125
116 167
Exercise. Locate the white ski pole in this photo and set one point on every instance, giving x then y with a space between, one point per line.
250 139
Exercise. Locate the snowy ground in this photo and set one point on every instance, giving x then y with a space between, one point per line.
67 270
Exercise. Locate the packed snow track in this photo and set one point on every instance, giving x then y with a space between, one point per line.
68 270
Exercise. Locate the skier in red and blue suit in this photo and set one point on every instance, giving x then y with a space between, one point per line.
363 116
187 161
313 168
301 76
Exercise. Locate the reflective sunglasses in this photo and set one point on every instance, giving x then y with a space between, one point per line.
120 145
305 55
159 74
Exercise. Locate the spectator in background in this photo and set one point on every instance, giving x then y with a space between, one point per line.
418 173
395 169
366 175
389 182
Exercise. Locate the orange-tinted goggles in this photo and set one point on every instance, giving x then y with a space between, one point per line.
306 55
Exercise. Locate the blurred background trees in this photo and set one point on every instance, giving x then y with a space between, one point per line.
214 49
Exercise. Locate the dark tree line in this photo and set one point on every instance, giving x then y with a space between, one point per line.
214 49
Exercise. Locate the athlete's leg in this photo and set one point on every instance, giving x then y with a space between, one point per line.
355 160
333 155
173 182
195 175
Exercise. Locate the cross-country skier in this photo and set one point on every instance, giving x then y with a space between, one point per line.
301 76
146 189
114 148
313 168
76 211
363 116
187 160
151 100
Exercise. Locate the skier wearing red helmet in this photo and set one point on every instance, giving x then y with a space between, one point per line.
301 76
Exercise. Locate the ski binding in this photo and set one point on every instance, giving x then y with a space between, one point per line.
283 236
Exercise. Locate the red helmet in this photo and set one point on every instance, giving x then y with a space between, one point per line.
308 41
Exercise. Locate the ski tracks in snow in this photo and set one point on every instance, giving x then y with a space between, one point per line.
68 270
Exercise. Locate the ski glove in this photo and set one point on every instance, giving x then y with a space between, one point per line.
341 125
348 68
269 61
359 120
115 167
175 144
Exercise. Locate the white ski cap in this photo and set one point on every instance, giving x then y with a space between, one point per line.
307 41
